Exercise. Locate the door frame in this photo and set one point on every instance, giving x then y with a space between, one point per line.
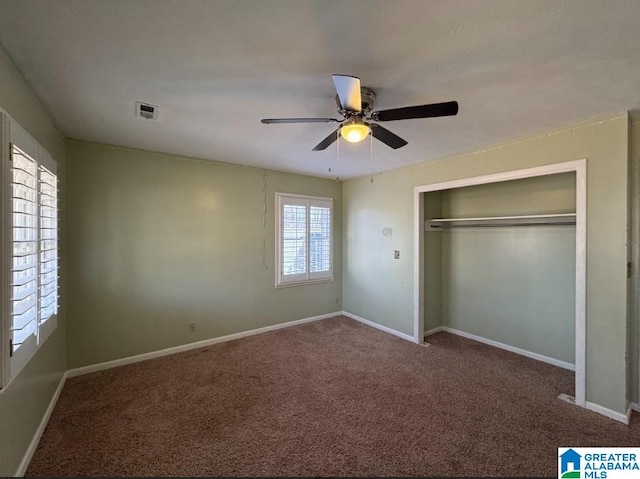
580 169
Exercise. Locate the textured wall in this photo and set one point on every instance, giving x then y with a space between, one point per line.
158 242
379 288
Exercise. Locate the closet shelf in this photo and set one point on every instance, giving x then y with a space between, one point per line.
493 221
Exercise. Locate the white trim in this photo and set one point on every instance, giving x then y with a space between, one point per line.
513 349
580 169
433 331
418 268
635 406
307 277
378 326
617 416
544 170
26 459
188 347
304 282
581 284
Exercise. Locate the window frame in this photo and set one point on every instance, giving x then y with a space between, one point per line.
12 362
307 277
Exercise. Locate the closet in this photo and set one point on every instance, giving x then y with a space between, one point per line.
500 264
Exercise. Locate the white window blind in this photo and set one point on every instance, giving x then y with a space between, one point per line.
304 239
30 261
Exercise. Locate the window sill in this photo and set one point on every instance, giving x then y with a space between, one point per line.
304 283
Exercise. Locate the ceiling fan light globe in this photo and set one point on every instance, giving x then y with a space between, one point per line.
355 132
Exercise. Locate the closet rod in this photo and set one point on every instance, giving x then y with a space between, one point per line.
562 219
494 225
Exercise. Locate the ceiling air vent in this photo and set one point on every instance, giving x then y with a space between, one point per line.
146 111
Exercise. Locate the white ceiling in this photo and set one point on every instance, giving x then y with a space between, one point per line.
215 68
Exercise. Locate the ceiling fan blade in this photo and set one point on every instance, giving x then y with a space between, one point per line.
327 141
386 137
448 108
268 121
348 89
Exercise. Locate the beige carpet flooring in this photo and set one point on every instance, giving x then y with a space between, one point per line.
329 398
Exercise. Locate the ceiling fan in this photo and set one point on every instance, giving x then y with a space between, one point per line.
355 103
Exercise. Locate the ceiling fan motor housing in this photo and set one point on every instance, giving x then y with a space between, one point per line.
368 98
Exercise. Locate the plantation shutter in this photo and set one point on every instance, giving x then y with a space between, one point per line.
24 272
319 239
304 239
48 278
294 239
30 248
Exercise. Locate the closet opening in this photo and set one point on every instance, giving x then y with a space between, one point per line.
501 258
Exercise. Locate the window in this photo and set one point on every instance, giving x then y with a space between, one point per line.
30 267
304 239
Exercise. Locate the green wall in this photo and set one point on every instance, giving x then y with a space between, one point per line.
433 273
514 285
157 242
379 288
24 402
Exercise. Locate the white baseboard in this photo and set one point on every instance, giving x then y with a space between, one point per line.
513 349
188 347
635 406
623 418
378 326
433 331
24 464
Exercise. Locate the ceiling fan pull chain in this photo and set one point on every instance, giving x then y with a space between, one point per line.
371 157
338 154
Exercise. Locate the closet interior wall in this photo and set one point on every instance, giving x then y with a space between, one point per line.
510 284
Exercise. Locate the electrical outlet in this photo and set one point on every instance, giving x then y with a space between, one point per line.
192 327
396 254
